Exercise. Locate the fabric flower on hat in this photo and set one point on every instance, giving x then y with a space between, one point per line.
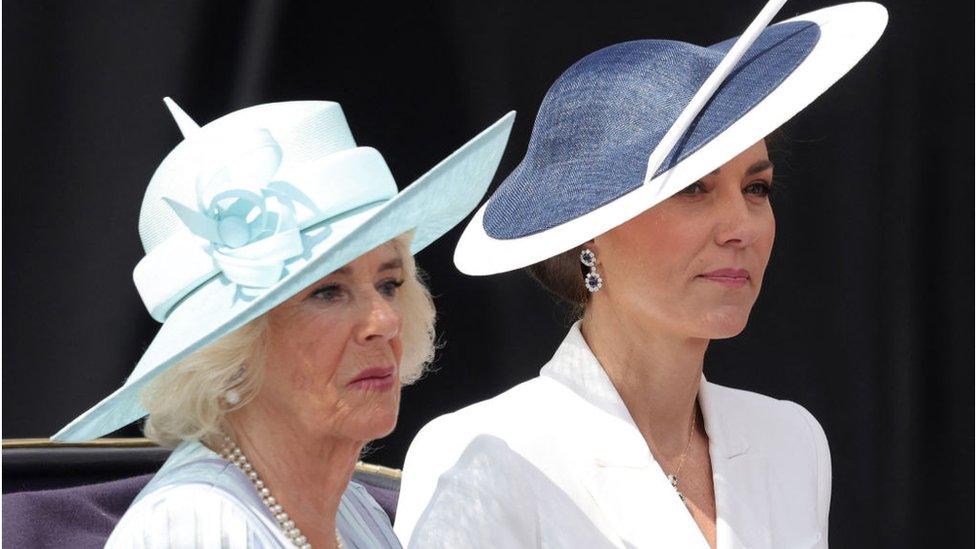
248 218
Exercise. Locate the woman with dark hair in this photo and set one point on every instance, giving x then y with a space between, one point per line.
643 199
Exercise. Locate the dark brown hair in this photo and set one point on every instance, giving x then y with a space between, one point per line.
562 275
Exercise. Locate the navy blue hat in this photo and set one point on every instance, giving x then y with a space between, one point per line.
586 167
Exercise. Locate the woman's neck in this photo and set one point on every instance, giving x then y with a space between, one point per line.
657 373
306 475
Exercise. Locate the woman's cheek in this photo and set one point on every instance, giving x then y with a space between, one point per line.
397 345
299 381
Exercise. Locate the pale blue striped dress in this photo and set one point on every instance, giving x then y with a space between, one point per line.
198 500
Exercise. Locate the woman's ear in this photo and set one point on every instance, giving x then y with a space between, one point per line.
594 247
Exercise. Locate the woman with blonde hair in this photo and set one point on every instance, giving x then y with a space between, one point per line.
643 199
279 258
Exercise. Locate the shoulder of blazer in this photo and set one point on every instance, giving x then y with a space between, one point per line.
536 414
782 430
527 407
444 442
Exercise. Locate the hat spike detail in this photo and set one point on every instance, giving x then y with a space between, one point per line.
186 124
708 89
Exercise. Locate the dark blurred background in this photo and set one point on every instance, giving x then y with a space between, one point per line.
866 314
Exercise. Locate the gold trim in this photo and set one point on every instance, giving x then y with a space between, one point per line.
389 472
139 442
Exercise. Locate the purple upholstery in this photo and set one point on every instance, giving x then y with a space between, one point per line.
77 517
84 516
386 497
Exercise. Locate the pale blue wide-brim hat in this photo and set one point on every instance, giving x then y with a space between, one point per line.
630 125
259 204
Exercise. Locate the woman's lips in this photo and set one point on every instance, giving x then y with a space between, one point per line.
374 378
729 277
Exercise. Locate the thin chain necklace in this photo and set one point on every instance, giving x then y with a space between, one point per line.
673 477
233 453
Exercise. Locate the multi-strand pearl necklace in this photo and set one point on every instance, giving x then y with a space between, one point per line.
233 453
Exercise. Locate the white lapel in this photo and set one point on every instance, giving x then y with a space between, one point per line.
628 488
739 475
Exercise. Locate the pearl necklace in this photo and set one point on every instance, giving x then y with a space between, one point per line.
233 453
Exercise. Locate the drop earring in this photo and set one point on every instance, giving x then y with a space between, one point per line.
592 280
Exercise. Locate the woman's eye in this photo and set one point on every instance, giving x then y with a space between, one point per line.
389 287
695 188
759 188
331 292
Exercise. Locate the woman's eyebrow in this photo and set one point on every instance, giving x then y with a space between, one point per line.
759 167
391 264
388 266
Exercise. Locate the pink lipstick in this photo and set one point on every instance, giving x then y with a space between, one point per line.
374 378
729 277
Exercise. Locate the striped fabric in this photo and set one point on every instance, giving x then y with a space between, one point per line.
199 500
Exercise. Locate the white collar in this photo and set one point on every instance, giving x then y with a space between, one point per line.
575 366
623 481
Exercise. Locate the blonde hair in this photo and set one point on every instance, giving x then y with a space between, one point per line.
188 401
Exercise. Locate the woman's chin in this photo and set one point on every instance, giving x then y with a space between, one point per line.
725 323
379 425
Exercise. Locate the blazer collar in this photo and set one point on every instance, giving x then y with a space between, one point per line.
574 366
725 438
739 474
625 481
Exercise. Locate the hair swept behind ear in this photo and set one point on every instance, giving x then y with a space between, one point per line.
562 275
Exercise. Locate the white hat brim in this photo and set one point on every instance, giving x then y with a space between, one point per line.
430 206
847 32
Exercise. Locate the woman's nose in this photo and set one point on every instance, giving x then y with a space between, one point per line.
737 225
382 321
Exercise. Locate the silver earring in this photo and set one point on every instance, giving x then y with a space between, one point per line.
592 280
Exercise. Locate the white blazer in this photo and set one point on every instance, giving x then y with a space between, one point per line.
557 461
